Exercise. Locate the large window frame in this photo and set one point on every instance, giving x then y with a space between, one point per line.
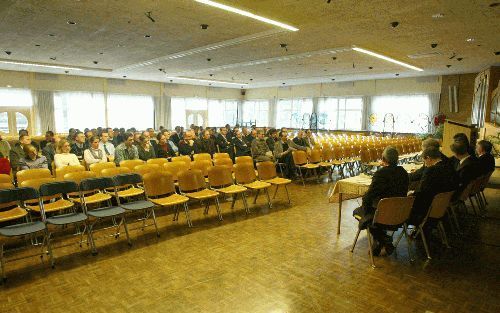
79 110
256 111
294 113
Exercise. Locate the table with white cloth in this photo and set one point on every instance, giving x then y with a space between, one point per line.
355 187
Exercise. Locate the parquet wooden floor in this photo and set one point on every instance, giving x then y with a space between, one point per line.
287 259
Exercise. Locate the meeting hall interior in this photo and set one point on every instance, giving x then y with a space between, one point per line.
260 156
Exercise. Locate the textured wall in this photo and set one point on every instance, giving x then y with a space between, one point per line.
465 84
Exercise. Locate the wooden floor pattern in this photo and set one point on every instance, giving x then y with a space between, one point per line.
286 259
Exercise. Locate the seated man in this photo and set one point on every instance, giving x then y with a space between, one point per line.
466 168
186 145
205 144
283 152
79 146
260 150
49 135
309 139
300 140
17 152
272 138
251 137
240 145
486 161
126 150
390 180
438 177
223 143
31 160
427 143
107 146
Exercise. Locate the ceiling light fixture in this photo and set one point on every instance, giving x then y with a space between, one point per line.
470 39
383 57
438 15
40 65
247 14
206 81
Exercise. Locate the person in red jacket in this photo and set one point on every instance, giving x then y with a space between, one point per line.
4 165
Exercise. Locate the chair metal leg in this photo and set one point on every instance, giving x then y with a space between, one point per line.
424 240
484 197
217 207
454 218
473 206
268 198
288 195
2 263
188 217
233 201
275 191
256 195
49 248
301 177
443 234
176 213
90 236
355 240
399 239
245 204
370 246
154 221
124 222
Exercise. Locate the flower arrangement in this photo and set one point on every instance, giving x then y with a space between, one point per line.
439 119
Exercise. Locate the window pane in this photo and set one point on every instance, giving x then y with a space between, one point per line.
4 122
327 113
256 111
409 112
178 111
284 113
222 112
15 97
21 121
78 110
130 111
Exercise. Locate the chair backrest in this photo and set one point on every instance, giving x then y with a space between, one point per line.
131 164
476 186
77 177
439 204
244 159
175 167
221 155
219 176
5 179
36 183
467 191
158 184
202 156
315 156
159 161
227 162
58 187
191 180
202 165
68 169
326 154
365 155
393 211
266 170
109 172
244 173
299 157
35 173
147 168
96 183
127 179
98 167
22 194
183 158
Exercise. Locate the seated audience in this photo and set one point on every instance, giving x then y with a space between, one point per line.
64 157
486 161
390 180
467 167
106 145
461 137
223 143
427 143
145 149
137 138
50 150
272 138
126 150
309 139
186 145
251 136
163 148
94 154
49 137
4 165
240 145
17 152
31 159
283 152
205 144
260 149
176 136
168 138
438 177
299 139
71 135
80 145
4 147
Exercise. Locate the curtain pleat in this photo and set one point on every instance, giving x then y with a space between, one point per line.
44 111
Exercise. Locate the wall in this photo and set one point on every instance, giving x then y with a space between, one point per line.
465 84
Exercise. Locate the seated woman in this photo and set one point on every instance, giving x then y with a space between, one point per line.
94 154
4 165
63 157
31 159
145 149
163 148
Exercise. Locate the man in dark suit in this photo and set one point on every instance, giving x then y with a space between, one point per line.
223 143
240 146
486 161
300 140
390 180
186 145
427 143
251 137
272 138
205 144
466 168
80 145
439 177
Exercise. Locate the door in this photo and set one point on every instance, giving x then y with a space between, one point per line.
196 117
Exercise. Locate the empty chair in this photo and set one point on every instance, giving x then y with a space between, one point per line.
192 185
107 211
147 168
183 158
68 169
301 162
391 213
159 161
202 165
64 216
220 179
175 168
244 159
32 174
202 156
18 226
131 164
227 162
160 190
245 176
267 173
221 155
112 171
52 203
139 202
91 197
98 167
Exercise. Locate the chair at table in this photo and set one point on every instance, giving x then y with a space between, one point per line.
192 185
98 167
68 169
245 176
35 173
131 164
267 173
391 213
220 179
18 226
301 162
160 189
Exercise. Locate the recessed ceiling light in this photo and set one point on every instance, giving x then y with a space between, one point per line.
438 15
397 74
147 36
205 80
333 79
37 45
124 76
247 14
101 52
370 67
251 79
383 57
470 39
52 35
9 86
494 4
71 23
40 65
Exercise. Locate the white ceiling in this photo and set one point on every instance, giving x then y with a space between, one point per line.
242 50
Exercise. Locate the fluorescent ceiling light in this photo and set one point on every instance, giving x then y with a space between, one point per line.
207 81
41 65
247 14
383 57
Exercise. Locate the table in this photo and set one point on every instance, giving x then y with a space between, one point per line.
355 187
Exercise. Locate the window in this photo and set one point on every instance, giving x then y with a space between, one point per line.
15 110
130 111
340 113
192 109
15 97
294 113
4 122
78 110
222 112
256 111
402 114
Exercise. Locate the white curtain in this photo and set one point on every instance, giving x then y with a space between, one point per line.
43 109
273 103
433 108
162 111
